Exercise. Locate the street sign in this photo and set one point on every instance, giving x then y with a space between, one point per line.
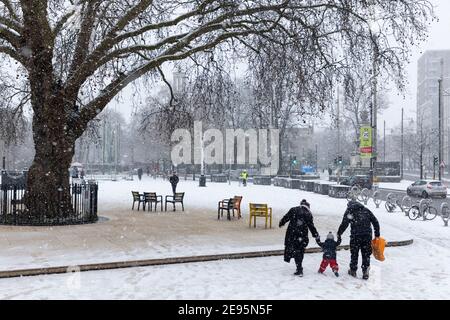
365 142
443 164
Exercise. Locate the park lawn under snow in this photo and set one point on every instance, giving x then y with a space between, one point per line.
419 271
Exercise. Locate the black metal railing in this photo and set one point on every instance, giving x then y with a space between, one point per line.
13 210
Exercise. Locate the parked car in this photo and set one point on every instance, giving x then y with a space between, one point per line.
427 189
361 181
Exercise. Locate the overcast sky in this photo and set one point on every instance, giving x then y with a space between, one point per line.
439 39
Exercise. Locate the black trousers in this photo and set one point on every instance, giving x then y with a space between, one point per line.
299 254
363 244
174 188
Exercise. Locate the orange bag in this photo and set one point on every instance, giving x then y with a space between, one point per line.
378 245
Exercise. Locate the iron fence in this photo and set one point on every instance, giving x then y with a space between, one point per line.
13 210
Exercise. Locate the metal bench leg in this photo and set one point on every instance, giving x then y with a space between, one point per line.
270 211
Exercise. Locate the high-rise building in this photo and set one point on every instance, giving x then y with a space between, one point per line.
432 66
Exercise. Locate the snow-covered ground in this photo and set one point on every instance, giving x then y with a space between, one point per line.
401 186
404 184
419 271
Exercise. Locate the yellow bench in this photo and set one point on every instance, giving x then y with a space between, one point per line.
260 210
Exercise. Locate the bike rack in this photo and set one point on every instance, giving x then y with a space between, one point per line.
445 213
406 199
364 196
376 199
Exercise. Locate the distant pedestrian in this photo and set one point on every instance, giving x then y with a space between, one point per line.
140 172
297 238
82 174
148 171
244 177
329 248
75 173
174 181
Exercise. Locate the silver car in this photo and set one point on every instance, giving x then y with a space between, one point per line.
427 189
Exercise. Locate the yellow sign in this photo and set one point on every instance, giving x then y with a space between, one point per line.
365 140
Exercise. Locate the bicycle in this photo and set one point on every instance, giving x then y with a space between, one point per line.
392 202
428 212
365 195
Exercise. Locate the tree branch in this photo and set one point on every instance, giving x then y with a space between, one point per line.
10 9
12 53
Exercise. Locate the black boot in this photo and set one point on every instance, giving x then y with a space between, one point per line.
366 274
352 273
299 272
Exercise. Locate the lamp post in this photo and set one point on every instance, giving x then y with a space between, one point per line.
317 159
440 120
384 141
374 29
401 147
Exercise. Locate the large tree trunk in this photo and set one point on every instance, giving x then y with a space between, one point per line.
48 186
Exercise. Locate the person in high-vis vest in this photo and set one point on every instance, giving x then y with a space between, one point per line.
244 177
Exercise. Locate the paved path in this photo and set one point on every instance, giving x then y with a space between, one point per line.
128 235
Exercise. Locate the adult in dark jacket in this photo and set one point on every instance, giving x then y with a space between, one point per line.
139 172
174 181
297 238
361 221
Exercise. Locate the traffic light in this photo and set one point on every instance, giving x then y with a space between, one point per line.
294 161
340 159
436 160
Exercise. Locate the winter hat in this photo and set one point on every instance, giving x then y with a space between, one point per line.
305 203
330 236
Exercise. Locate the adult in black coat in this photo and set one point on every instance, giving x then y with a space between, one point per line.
297 237
174 181
361 221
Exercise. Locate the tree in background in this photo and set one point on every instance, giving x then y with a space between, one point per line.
72 57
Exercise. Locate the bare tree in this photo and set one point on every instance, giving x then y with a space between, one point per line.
358 100
282 85
74 56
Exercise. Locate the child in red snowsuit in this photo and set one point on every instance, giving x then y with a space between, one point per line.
329 254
